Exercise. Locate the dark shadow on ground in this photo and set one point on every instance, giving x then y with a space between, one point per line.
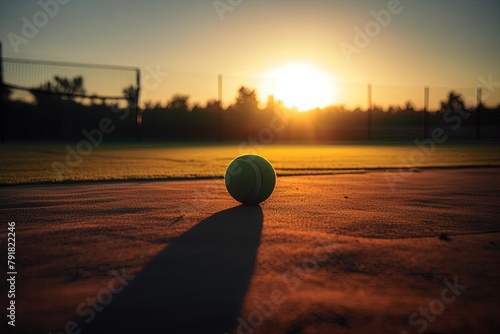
195 285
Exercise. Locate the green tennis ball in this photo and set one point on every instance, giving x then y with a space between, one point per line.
250 179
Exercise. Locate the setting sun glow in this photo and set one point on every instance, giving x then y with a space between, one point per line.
303 86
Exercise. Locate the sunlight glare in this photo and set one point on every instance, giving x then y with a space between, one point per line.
303 86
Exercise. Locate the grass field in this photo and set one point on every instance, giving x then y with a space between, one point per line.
34 163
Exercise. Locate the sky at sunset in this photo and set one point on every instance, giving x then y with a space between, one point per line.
309 53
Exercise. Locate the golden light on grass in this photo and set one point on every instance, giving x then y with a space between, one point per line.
303 86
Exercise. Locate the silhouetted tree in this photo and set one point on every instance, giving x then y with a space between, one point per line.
178 102
130 93
148 105
392 109
270 102
59 87
454 102
409 106
70 86
212 106
246 100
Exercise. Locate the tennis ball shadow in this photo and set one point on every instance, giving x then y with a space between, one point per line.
197 284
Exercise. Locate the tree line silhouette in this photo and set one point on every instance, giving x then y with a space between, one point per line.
60 111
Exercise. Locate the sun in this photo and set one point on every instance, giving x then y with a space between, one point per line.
303 86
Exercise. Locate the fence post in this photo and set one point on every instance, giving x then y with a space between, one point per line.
2 96
426 112
219 106
479 106
370 121
138 116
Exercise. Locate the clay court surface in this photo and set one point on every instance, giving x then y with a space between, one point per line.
325 254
